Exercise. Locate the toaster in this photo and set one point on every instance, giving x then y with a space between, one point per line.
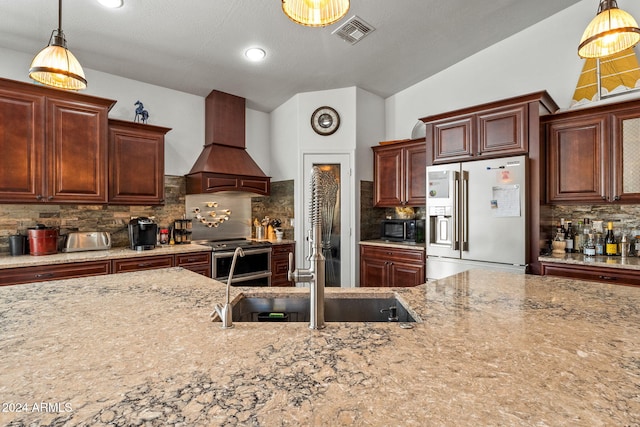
87 241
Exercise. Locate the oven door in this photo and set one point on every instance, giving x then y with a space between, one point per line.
253 269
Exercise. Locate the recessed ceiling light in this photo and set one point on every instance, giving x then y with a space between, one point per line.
255 54
114 4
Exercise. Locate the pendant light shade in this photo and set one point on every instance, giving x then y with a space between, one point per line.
55 65
315 13
611 31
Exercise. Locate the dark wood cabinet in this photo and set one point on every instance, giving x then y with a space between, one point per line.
42 273
592 154
577 159
136 163
280 263
198 262
497 129
400 174
386 266
599 274
142 263
488 132
54 145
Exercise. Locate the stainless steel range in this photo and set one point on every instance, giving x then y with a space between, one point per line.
253 269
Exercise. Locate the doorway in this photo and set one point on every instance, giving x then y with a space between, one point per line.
335 212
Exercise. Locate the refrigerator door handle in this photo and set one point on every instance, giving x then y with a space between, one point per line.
455 221
464 214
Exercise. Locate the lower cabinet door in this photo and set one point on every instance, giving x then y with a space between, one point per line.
373 273
280 264
401 274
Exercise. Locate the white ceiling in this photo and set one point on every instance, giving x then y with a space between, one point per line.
195 46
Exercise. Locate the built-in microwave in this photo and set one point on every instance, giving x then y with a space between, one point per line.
403 230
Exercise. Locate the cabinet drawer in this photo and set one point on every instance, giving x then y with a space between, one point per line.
281 250
41 273
183 260
393 253
142 263
603 275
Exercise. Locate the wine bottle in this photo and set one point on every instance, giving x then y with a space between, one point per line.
610 245
589 246
578 238
569 237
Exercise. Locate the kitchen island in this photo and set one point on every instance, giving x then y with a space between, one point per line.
490 349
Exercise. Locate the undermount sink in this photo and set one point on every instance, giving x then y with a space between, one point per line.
296 309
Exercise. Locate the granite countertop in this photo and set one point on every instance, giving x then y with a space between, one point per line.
492 349
387 243
627 263
8 261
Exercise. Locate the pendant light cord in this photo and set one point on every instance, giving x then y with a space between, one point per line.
60 16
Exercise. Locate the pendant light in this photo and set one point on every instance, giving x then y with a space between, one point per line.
55 65
315 13
611 31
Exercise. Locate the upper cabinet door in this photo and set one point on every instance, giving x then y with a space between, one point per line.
452 139
388 172
577 160
21 145
503 131
625 163
416 174
76 151
136 163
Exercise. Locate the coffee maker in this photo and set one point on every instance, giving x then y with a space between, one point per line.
143 233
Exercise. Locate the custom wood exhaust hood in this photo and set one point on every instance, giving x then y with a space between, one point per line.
224 164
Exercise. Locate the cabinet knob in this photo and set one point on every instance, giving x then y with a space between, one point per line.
50 198
616 198
39 197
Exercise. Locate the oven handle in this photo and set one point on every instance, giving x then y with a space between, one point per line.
227 254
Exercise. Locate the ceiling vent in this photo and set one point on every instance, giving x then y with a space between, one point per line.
353 30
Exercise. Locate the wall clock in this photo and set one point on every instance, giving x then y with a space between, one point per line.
325 121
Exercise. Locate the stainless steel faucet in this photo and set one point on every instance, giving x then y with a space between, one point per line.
225 312
315 274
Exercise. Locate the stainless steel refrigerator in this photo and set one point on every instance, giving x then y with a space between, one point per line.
477 216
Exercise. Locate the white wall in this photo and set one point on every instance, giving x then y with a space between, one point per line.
180 111
542 57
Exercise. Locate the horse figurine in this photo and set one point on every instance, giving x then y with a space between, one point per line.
141 114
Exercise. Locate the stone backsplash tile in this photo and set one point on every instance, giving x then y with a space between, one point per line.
370 216
279 204
113 218
623 217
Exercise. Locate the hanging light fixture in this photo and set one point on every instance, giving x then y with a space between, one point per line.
315 13
55 65
611 31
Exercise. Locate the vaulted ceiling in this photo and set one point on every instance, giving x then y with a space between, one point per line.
195 46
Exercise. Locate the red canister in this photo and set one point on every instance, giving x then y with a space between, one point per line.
43 240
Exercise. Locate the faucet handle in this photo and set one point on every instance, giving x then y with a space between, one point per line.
290 275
